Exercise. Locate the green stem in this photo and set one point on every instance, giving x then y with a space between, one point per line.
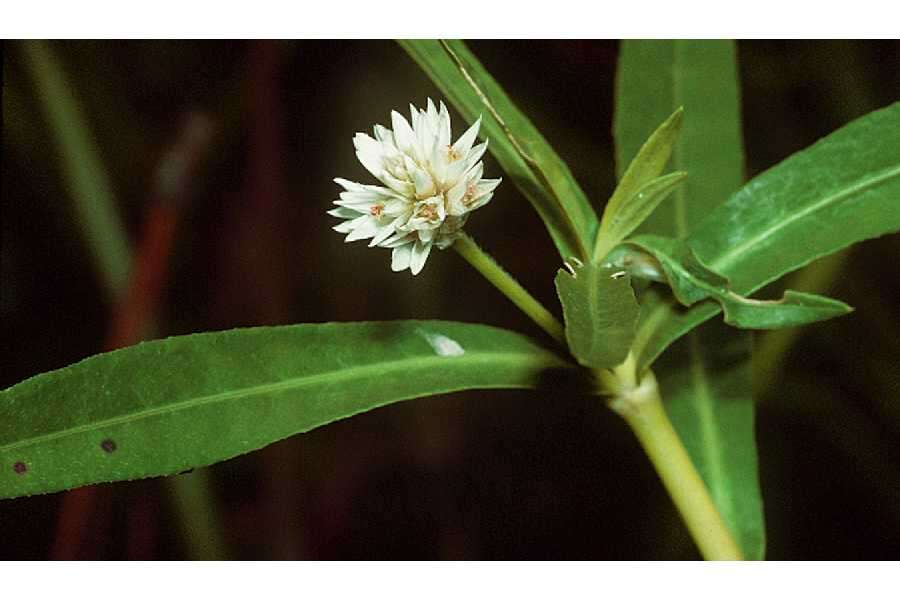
87 180
642 409
510 288
191 495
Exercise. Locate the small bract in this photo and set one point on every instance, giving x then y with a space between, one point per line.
430 186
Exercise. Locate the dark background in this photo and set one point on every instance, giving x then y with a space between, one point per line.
473 475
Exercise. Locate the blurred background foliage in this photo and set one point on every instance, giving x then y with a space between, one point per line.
237 143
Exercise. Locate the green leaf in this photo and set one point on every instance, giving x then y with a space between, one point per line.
705 380
633 213
600 313
691 281
165 406
656 77
841 190
518 146
637 195
86 178
705 389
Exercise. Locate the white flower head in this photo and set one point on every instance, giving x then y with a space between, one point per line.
430 186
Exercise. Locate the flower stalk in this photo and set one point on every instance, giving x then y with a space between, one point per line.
509 287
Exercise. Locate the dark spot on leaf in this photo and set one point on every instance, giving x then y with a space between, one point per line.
20 468
188 472
108 446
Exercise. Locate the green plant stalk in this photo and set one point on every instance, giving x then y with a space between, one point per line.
509 287
198 516
642 409
86 178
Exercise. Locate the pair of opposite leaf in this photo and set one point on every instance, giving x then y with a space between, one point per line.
599 305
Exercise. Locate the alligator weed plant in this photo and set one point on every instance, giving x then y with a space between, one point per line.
676 254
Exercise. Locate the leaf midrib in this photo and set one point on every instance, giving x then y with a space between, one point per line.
702 399
654 319
861 185
339 375
709 433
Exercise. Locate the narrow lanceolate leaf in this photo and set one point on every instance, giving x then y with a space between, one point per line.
518 146
656 77
632 201
704 383
632 213
841 190
600 312
86 178
691 281
705 380
165 406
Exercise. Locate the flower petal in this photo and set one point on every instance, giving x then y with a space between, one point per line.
384 232
455 172
432 113
404 136
473 176
427 235
420 251
345 227
370 153
400 257
398 239
383 134
480 201
344 213
397 206
443 129
424 183
351 225
486 185
475 154
350 186
465 141
365 229
454 198
404 188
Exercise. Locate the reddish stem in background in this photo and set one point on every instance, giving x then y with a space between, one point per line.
266 196
134 316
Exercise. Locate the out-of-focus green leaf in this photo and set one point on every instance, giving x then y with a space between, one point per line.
165 406
656 77
691 281
86 178
600 312
705 386
841 190
640 189
521 150
705 380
